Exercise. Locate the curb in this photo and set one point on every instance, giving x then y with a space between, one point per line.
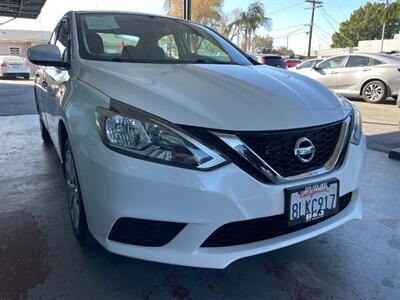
395 154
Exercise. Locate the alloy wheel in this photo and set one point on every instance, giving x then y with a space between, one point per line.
73 192
373 92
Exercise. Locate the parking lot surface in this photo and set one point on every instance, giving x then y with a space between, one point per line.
16 97
40 259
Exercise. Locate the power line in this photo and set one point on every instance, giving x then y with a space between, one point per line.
322 38
332 18
288 27
285 9
323 30
288 34
325 17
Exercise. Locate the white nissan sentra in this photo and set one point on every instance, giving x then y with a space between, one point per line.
179 148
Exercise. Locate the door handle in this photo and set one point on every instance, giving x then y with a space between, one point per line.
45 84
333 72
367 69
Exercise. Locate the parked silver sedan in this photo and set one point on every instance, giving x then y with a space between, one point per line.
372 76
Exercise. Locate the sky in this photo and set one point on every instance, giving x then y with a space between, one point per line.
290 18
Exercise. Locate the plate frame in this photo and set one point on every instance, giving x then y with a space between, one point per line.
289 191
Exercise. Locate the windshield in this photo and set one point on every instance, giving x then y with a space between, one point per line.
122 37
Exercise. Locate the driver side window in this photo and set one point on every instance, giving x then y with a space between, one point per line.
62 41
332 63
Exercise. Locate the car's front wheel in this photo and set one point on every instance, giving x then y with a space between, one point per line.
374 91
76 208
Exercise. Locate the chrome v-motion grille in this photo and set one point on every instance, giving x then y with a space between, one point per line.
273 153
270 156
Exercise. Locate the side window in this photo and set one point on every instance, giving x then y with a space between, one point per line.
200 46
306 64
332 63
168 44
375 62
62 41
357 61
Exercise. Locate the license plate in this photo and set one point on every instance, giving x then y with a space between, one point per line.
311 202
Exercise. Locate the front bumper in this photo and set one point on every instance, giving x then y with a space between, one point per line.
115 186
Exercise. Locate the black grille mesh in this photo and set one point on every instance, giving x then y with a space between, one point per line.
277 148
144 232
255 230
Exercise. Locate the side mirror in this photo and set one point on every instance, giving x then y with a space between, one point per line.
46 55
316 68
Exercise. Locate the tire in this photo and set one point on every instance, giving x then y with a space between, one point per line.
45 134
374 91
74 196
27 76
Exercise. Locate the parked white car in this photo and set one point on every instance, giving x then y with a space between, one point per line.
179 148
370 75
14 66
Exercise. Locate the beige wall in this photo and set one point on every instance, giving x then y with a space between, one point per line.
375 45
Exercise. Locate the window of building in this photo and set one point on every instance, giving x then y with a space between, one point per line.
14 50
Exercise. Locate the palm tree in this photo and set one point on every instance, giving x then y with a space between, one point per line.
247 22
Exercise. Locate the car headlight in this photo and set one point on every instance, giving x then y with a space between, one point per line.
356 123
136 133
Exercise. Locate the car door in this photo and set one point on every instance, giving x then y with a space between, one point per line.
38 91
348 78
54 85
41 84
326 71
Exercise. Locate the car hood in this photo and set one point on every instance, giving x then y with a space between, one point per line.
228 97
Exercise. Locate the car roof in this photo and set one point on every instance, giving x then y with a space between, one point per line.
380 56
270 55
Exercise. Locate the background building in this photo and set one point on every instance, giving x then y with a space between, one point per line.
17 42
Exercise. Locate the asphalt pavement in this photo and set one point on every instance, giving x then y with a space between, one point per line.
16 97
40 259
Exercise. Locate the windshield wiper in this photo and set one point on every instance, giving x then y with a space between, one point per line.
119 59
213 61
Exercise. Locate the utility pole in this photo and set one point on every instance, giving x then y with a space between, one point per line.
315 4
187 9
384 27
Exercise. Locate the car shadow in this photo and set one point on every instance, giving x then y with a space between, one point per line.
384 142
388 101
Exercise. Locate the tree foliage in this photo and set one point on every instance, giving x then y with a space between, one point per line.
262 44
247 22
284 51
365 23
206 12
